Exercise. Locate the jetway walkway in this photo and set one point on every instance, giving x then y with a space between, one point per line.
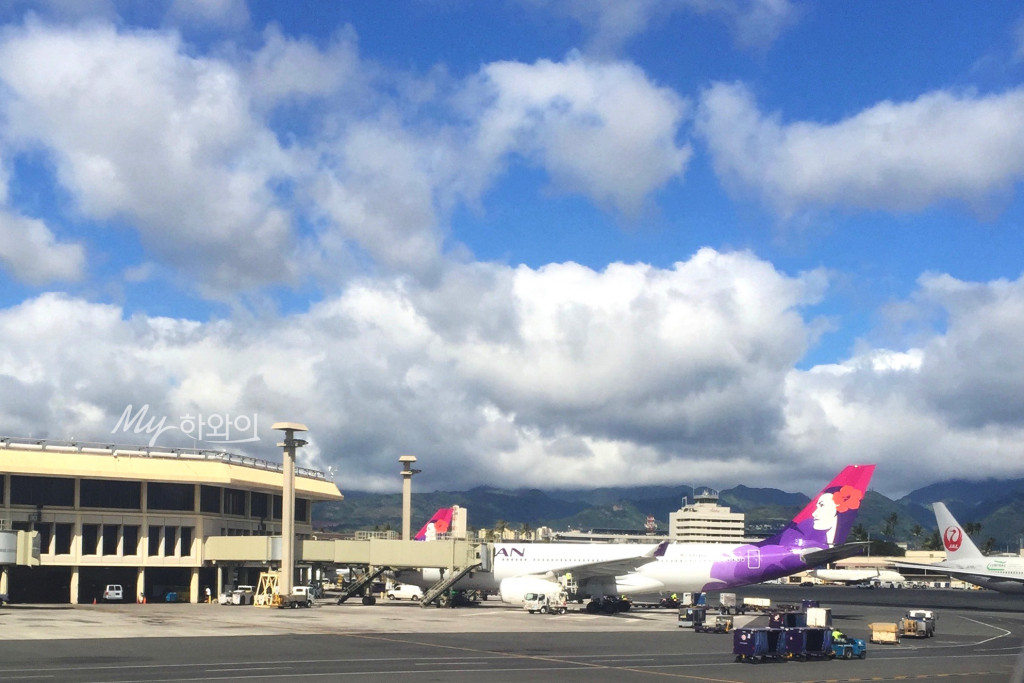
455 557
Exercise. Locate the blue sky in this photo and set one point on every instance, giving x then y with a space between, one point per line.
534 242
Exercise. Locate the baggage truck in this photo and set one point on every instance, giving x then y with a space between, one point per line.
915 628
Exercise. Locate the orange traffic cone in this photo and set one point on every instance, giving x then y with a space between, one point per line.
94 601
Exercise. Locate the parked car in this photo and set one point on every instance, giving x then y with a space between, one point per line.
404 591
114 592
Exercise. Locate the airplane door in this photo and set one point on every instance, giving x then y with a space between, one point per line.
754 558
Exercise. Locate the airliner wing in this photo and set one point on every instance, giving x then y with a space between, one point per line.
612 567
814 558
966 573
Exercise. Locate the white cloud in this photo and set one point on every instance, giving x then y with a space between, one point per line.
142 132
555 372
895 156
950 408
556 376
33 254
599 129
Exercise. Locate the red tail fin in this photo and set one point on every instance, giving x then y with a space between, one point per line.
439 523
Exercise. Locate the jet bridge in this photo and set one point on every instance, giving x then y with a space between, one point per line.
456 557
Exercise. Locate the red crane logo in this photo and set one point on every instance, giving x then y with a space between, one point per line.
952 538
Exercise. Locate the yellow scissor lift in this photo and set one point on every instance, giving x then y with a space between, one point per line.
267 594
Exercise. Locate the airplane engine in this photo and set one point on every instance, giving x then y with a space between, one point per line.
514 588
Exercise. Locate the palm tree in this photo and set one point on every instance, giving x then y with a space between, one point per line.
500 527
890 524
526 531
916 532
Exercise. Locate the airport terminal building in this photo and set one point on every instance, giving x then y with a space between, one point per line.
139 516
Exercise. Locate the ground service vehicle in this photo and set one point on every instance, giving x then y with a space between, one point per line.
243 595
916 628
404 591
808 643
113 592
850 648
540 602
927 616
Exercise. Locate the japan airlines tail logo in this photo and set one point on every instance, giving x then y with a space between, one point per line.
952 538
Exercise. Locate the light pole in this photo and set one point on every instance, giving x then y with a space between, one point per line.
290 443
407 472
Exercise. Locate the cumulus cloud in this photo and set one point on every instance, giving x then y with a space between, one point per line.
948 408
558 375
142 132
599 129
897 156
33 254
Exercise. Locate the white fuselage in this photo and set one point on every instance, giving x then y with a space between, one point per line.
684 567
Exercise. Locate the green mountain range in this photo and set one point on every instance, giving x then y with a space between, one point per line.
997 505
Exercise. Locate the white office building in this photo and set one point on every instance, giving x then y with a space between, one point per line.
705 521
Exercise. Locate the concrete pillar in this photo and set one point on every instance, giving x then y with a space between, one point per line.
290 443
73 598
4 582
220 579
193 586
407 472
140 583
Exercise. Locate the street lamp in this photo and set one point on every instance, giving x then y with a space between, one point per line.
290 443
407 472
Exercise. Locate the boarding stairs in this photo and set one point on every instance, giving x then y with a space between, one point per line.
438 589
358 587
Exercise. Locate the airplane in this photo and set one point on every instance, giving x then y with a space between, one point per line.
964 560
857 575
814 537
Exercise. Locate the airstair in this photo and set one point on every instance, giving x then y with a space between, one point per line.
438 589
357 587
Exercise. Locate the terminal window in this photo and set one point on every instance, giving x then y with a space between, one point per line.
234 502
209 498
171 496
187 533
45 534
46 491
110 539
90 538
260 503
104 493
62 538
154 541
130 534
170 540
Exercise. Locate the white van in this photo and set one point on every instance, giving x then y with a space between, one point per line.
404 591
113 592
